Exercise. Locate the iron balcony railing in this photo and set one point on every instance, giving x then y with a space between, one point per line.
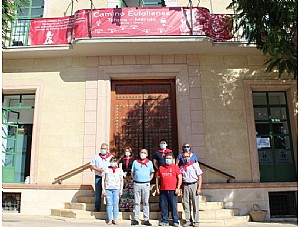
19 35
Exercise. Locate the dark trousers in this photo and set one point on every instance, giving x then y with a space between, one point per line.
98 192
167 199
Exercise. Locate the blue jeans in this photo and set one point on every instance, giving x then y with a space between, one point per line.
98 192
167 199
112 203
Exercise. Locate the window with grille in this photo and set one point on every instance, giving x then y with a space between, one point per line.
21 26
283 204
11 202
273 137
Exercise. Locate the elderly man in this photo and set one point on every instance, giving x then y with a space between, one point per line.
99 163
186 148
192 183
168 182
142 172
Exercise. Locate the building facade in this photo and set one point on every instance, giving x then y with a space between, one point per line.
60 102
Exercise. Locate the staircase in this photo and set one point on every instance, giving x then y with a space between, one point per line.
211 213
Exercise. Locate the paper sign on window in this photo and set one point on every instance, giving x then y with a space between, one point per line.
263 142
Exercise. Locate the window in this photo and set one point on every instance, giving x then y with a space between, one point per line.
21 27
283 204
11 202
142 3
17 123
273 137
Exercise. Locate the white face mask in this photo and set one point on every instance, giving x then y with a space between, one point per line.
127 153
113 164
168 161
143 156
163 146
103 151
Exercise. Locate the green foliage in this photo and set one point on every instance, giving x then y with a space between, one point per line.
273 26
9 13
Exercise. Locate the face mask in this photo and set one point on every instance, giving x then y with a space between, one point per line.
186 160
163 146
113 164
143 156
127 153
168 161
103 151
186 149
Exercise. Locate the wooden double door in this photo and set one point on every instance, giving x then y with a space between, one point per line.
143 112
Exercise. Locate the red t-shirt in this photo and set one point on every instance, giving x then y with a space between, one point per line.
168 176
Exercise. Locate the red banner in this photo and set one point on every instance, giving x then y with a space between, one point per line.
117 22
51 31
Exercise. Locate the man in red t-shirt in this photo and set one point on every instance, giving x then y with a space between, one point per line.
168 182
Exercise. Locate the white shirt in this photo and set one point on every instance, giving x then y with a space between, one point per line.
191 173
113 179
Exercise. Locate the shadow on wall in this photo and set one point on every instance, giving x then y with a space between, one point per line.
84 190
231 79
243 199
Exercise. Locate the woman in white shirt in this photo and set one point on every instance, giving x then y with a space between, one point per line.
112 183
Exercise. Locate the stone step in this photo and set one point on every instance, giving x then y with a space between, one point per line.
234 220
211 205
152 199
153 206
91 206
218 214
82 214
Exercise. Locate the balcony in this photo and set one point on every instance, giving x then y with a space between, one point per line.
126 31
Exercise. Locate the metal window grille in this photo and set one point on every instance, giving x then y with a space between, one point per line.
11 202
21 26
283 204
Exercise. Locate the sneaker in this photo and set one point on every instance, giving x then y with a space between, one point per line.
163 224
148 223
176 224
196 225
134 222
115 222
109 223
187 224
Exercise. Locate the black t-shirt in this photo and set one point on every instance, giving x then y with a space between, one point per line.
161 156
125 168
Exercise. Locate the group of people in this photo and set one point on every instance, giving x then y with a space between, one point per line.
125 182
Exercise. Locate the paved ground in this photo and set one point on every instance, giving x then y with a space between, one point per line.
19 220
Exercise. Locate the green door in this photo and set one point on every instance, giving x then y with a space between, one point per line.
273 137
9 144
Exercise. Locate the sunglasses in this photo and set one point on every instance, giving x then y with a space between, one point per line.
185 146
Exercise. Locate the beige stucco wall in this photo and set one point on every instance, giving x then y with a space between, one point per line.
224 112
244 198
59 130
41 201
74 107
